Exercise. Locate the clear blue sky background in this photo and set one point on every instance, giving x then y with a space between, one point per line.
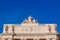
15 11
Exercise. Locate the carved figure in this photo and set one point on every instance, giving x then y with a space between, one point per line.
6 29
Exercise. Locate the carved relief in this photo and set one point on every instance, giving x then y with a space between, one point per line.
6 29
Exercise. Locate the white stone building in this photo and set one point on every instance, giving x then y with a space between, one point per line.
29 29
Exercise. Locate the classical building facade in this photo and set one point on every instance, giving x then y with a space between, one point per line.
29 29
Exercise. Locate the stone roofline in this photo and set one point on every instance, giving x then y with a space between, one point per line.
30 21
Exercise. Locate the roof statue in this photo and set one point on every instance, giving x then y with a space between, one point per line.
30 20
34 21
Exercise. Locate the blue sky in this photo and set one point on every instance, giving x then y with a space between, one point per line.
15 11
